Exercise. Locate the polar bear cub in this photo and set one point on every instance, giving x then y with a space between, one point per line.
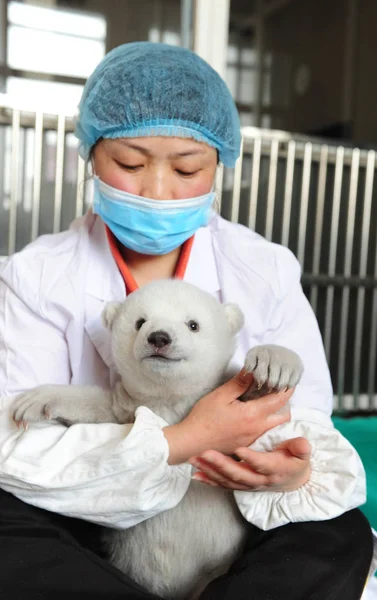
171 344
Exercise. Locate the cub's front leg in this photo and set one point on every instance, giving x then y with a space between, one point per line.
275 368
70 404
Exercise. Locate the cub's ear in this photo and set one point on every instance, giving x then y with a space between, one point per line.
235 317
109 313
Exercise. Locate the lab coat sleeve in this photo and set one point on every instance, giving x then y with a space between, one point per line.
114 475
337 482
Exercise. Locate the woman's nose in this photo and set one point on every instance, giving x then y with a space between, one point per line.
156 185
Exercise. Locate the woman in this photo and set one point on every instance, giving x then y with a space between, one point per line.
155 120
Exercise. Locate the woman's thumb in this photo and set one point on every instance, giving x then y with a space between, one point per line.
298 447
240 382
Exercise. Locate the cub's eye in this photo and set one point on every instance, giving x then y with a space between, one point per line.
139 323
193 326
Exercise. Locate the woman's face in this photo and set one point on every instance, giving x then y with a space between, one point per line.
162 168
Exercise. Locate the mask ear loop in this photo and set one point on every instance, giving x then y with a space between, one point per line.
218 186
91 162
90 180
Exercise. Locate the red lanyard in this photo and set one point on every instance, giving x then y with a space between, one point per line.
128 278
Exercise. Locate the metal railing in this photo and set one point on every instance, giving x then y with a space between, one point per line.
33 162
316 197
320 200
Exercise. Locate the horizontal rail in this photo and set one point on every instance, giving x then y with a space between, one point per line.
324 280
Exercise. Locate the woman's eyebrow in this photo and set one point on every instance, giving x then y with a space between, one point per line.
134 147
187 153
149 153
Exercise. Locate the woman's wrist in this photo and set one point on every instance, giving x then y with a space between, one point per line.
183 444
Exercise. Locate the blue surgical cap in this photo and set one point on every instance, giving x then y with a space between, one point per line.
145 89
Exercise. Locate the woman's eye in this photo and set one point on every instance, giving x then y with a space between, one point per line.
193 326
130 168
185 173
139 323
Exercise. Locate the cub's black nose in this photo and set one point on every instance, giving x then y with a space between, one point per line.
159 339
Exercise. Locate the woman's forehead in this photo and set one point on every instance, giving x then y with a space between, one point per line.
171 147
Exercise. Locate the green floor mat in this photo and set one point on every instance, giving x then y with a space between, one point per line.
362 433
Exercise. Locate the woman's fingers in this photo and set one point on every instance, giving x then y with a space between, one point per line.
270 404
278 470
227 472
270 411
266 463
217 481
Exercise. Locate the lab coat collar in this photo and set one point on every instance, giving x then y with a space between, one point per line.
103 278
202 268
104 282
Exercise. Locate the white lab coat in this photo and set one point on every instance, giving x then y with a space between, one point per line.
51 297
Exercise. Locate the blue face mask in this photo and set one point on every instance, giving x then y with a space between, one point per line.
150 226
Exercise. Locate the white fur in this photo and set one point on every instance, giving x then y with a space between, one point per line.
177 553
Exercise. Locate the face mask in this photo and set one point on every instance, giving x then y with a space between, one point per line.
150 226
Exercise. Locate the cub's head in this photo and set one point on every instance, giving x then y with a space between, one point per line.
171 334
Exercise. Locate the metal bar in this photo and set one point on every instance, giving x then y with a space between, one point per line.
373 344
22 167
250 133
80 35
321 193
304 203
288 193
373 336
333 247
38 143
80 188
186 23
237 187
15 165
368 194
6 71
361 409
211 30
271 193
347 272
28 121
354 281
59 175
350 233
253 204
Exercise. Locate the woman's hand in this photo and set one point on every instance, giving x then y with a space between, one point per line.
282 470
219 421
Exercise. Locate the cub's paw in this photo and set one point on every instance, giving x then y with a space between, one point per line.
274 368
43 403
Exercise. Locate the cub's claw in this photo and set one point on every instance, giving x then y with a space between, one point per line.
275 368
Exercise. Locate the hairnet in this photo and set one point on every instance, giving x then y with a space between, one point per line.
145 89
